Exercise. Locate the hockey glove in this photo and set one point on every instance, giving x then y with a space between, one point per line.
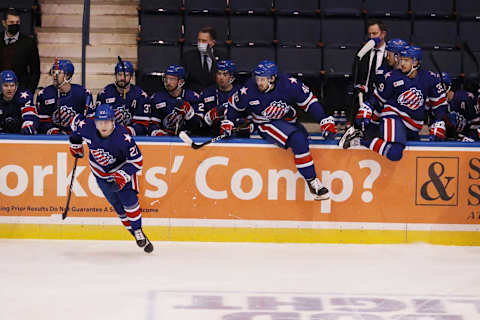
437 131
363 117
226 127
185 110
27 128
76 146
328 128
121 178
211 117
361 88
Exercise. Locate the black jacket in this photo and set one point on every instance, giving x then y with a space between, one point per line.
23 60
196 78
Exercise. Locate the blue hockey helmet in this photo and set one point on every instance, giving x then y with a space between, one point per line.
104 112
226 65
127 67
412 52
176 70
396 45
8 76
65 65
266 68
446 79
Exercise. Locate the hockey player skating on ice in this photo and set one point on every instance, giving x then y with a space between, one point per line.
60 102
114 160
129 102
175 108
404 98
18 114
268 97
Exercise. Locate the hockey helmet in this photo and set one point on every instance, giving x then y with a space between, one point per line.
412 52
104 112
65 65
127 67
266 68
8 76
396 45
176 70
226 65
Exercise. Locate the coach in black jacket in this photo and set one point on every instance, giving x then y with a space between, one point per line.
19 52
201 64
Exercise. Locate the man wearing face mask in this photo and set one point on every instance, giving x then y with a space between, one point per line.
18 52
201 64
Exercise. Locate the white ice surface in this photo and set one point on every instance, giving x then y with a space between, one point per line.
52 279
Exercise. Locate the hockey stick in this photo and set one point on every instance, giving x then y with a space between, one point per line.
184 136
67 206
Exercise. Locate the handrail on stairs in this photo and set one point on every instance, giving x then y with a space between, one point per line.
85 37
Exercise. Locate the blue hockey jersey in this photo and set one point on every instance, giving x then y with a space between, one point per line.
17 111
398 95
107 155
55 113
275 104
134 110
165 116
212 97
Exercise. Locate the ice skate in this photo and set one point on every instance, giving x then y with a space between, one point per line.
142 240
351 138
318 191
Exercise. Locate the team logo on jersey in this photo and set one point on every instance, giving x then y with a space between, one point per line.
63 116
102 157
412 99
122 115
276 110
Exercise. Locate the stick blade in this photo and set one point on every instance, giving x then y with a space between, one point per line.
64 214
185 138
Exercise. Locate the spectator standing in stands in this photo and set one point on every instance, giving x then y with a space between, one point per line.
201 64
19 52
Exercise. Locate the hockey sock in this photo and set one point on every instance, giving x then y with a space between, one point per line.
134 216
392 150
303 159
126 223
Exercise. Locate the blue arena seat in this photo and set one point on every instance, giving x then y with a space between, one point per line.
206 6
292 7
469 31
247 57
435 33
194 22
468 9
170 31
252 29
338 61
341 7
343 31
386 8
160 5
304 61
432 8
448 61
293 30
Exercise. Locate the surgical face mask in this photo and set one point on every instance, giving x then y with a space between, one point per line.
202 47
13 28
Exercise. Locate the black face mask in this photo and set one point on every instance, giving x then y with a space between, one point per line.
13 28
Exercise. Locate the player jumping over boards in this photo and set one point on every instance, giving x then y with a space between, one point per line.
268 98
114 160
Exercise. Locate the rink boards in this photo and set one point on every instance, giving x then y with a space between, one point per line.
247 190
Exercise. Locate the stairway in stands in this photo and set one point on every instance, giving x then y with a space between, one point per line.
113 32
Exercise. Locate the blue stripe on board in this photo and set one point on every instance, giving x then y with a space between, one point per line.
234 140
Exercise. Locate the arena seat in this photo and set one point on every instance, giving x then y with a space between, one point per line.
429 33
194 22
448 60
338 61
386 8
170 30
432 8
247 57
251 6
343 31
252 29
168 6
469 32
341 7
292 7
206 6
304 61
468 9
298 30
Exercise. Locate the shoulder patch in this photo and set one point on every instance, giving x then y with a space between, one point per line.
50 101
398 83
209 99
110 100
254 102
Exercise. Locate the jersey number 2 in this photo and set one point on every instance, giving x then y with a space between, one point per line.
133 151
